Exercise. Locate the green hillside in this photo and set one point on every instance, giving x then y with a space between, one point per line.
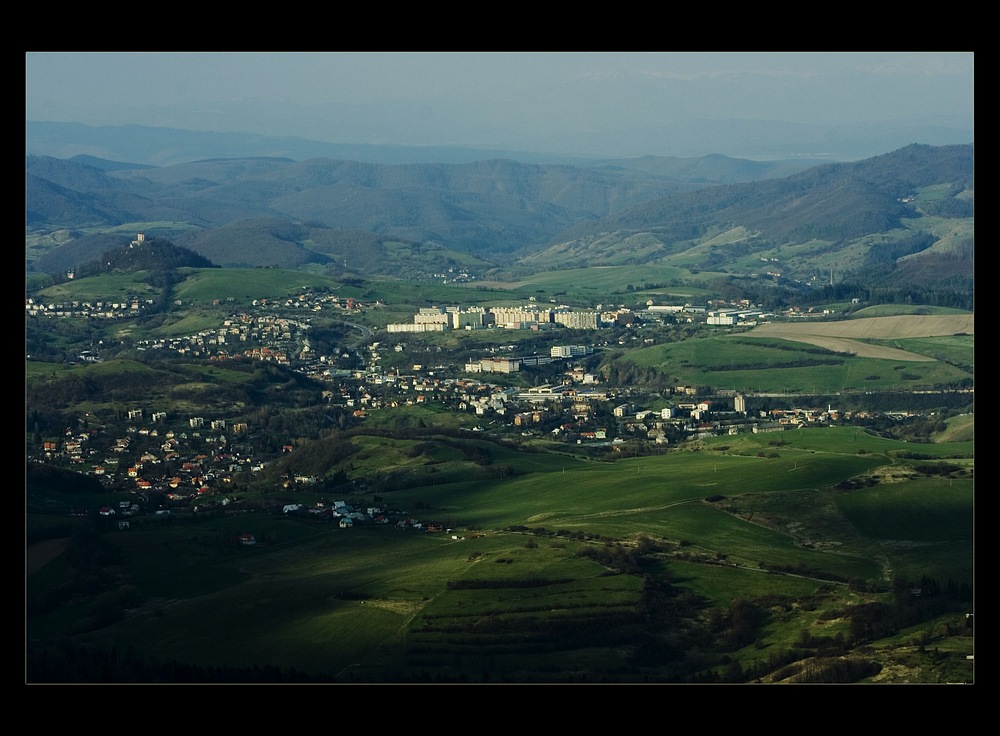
565 570
761 365
896 227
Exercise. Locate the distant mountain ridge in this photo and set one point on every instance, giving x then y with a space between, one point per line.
689 135
827 201
483 208
907 214
864 219
153 146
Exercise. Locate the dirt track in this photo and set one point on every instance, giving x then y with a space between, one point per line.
842 336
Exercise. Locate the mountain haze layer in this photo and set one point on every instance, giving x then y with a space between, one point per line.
902 218
486 207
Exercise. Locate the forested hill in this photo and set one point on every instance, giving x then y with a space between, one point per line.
830 201
480 208
149 255
905 217
849 216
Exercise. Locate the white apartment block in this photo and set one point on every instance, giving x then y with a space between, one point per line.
494 365
578 320
516 316
570 351
416 327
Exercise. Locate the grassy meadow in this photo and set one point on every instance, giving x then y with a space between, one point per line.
741 362
598 283
562 563
540 577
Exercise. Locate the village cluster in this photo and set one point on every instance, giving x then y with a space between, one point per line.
167 460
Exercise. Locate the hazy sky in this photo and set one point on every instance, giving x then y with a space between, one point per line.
490 98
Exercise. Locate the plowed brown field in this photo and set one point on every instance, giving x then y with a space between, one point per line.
843 336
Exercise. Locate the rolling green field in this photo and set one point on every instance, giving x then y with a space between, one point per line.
958 429
602 281
557 569
750 364
956 350
892 310
102 287
731 558
234 287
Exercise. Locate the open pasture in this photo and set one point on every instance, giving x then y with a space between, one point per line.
841 335
665 497
720 584
741 362
636 486
600 281
877 328
960 428
921 510
958 350
895 310
845 440
924 527
316 604
523 610
107 287
243 285
526 585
